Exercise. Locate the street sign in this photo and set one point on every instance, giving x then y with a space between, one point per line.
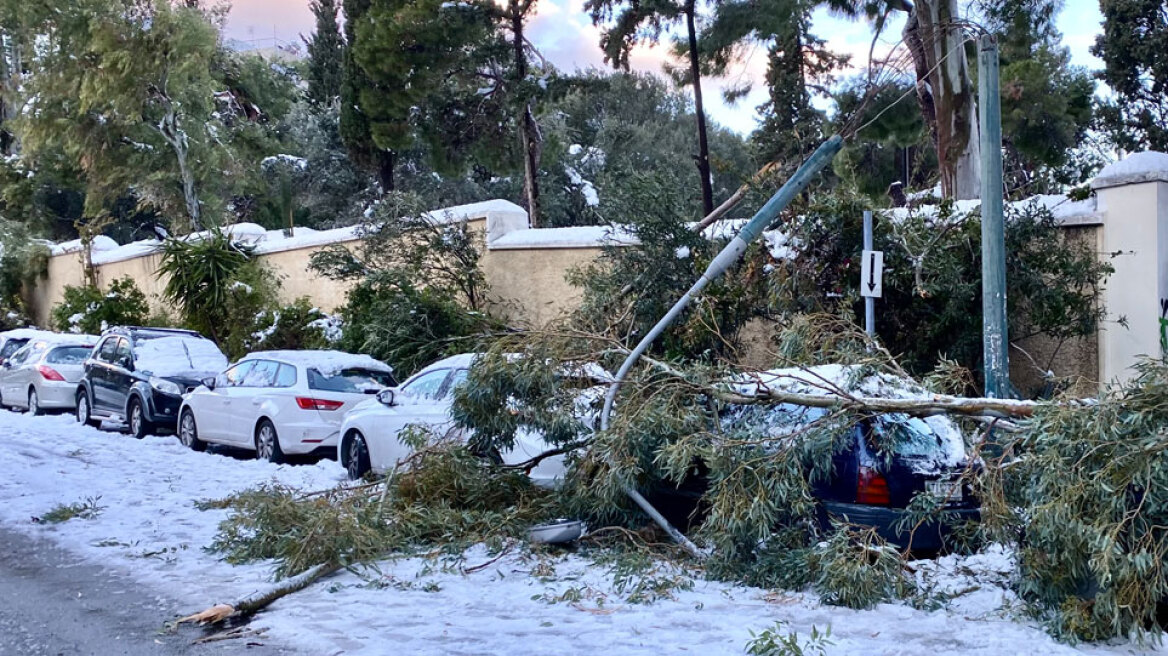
872 274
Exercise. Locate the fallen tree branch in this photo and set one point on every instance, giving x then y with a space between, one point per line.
258 601
922 407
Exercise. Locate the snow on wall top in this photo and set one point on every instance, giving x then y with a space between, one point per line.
1147 166
1065 210
327 362
106 250
574 237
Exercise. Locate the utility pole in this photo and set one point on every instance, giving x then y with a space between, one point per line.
995 340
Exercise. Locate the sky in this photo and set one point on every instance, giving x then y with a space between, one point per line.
563 33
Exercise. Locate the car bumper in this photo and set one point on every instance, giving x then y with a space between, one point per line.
53 395
163 409
929 536
299 438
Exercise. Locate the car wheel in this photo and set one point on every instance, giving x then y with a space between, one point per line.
84 410
140 427
34 403
268 443
188 432
357 456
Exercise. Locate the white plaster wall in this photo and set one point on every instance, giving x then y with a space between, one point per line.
1135 237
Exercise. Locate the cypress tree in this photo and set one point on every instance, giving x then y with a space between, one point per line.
325 54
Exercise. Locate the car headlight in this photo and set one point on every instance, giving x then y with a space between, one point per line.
165 386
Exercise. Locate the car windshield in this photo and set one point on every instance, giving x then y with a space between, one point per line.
69 354
353 381
176 355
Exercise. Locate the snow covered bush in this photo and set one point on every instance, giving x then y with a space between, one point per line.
299 325
89 310
420 292
931 308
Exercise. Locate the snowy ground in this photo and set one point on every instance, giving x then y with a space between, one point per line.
517 605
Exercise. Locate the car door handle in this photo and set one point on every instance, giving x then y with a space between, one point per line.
256 402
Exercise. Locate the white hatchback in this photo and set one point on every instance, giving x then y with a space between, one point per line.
280 402
371 431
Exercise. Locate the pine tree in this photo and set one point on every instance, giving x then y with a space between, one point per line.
1134 50
1046 103
354 123
325 54
797 63
635 20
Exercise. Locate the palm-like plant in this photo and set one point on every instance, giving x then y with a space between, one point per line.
200 275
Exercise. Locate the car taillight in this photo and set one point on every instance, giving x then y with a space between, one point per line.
50 373
872 488
308 403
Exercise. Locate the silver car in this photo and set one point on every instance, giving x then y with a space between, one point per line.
43 374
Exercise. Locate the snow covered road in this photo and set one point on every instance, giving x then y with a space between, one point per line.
149 527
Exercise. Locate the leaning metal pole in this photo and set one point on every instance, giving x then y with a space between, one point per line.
723 261
995 340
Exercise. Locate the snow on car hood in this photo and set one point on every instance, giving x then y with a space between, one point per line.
179 356
328 363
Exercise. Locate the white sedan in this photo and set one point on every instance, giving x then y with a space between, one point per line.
370 432
280 402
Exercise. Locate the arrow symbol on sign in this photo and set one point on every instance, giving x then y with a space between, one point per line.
872 273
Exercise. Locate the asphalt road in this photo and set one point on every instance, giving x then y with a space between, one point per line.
53 604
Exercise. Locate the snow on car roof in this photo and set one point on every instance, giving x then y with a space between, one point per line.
326 362
27 333
178 355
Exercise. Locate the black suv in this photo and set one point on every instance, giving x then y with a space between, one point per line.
138 376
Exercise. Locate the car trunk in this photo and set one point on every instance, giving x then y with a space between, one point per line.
907 456
70 372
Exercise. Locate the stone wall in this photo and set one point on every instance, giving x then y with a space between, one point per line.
1127 221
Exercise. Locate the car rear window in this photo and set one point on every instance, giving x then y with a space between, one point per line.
12 346
353 381
935 439
69 354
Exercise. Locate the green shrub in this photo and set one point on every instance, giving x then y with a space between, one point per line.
296 326
89 310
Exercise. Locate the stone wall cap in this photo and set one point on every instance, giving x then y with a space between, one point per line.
1149 166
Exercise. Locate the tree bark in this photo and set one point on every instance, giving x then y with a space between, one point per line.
385 163
703 156
169 128
530 137
946 95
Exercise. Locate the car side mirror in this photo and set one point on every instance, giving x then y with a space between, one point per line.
209 382
126 363
386 397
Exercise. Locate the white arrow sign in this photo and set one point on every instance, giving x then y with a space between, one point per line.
872 274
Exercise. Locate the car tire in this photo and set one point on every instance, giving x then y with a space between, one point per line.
267 443
34 403
140 427
357 456
85 410
188 432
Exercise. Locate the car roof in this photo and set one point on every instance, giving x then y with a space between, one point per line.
25 333
323 360
135 331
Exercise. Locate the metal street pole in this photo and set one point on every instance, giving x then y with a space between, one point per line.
995 340
869 302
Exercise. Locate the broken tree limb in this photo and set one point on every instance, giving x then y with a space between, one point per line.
918 407
258 601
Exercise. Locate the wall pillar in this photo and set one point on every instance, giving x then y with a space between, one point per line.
1133 198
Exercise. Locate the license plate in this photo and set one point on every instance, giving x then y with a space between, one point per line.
948 490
